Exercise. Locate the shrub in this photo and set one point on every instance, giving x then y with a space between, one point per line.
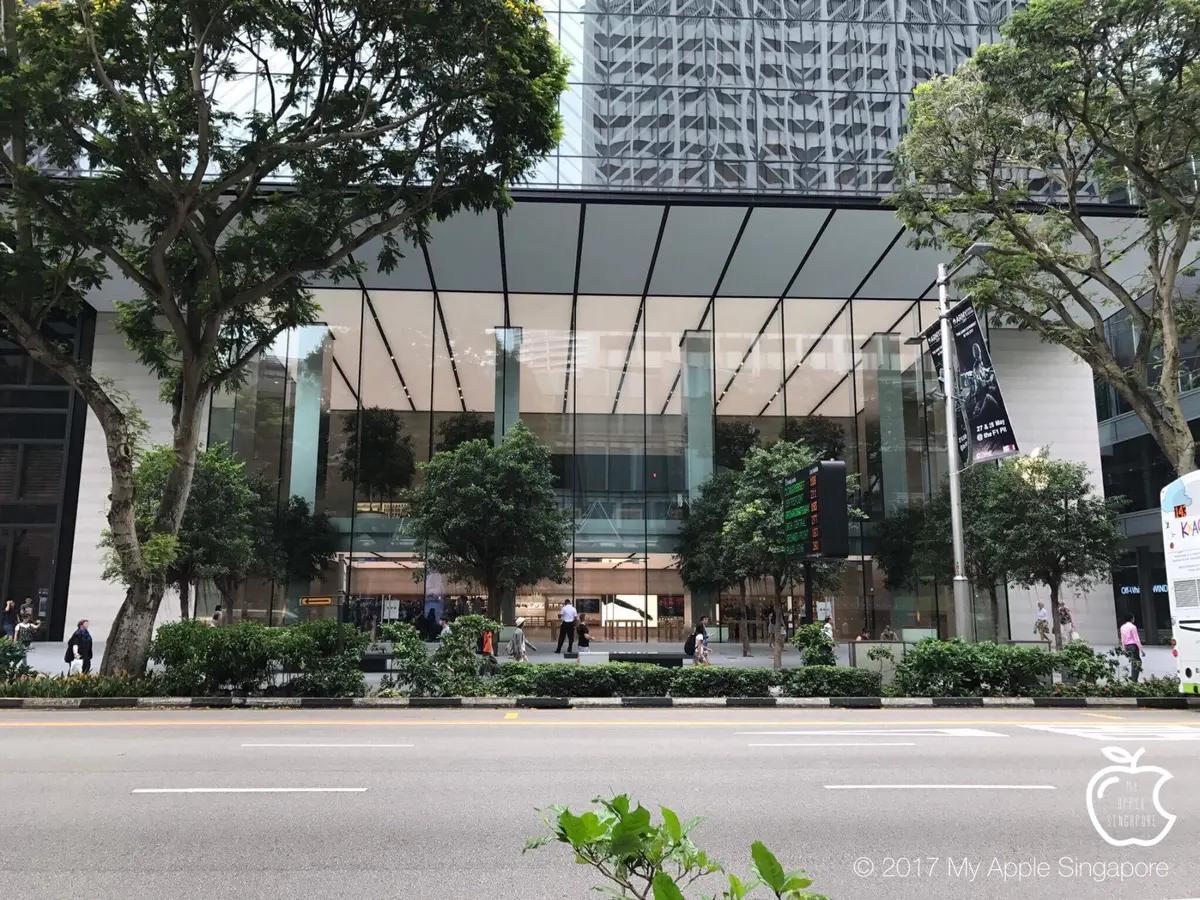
454 669
815 645
1148 687
956 668
57 686
642 858
1079 661
711 681
829 681
12 660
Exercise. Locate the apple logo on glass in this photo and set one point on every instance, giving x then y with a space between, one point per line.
1123 801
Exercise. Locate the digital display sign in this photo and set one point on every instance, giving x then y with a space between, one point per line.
816 524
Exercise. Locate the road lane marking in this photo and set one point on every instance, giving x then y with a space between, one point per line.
940 787
1102 716
333 746
1139 733
510 715
283 790
838 744
890 732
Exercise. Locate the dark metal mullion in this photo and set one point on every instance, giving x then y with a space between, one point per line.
833 390
662 227
807 354
745 356
712 300
362 328
441 316
571 340
503 265
878 262
346 381
892 328
388 347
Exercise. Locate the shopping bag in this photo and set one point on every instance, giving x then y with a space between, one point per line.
76 667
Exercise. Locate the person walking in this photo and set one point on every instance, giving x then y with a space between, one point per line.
1041 625
519 645
79 648
1131 643
584 635
566 627
10 619
828 627
26 629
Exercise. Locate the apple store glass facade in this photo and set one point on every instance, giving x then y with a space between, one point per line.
637 341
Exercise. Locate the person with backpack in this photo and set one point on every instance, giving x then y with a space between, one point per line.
26 629
696 646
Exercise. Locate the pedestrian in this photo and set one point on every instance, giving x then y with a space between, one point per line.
217 616
519 645
1041 625
444 632
566 627
79 649
696 646
488 648
1131 643
772 629
25 630
10 618
1066 622
429 627
584 636
827 628
887 634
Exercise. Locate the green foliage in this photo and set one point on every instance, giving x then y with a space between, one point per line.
1083 100
732 443
303 545
639 858
815 645
454 669
881 653
489 515
825 437
1147 687
462 427
377 456
200 660
721 681
1079 661
707 560
12 660
70 686
897 538
956 668
829 681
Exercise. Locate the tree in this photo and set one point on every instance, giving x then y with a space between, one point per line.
377 456
732 442
489 515
380 118
707 559
755 530
896 541
462 427
1083 101
824 436
1061 530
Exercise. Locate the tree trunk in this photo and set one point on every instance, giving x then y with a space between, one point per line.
186 443
494 601
184 590
994 594
745 620
777 659
128 647
1055 624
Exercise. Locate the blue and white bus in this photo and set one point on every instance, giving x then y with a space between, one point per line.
1180 504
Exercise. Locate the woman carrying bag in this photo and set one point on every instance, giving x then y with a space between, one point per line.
79 650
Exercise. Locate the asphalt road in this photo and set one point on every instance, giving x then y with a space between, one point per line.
920 805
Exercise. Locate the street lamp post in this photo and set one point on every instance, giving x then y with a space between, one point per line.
962 588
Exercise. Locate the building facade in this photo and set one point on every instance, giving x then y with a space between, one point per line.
705 255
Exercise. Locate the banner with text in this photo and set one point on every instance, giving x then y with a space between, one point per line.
984 430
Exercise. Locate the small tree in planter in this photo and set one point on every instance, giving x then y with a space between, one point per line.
462 427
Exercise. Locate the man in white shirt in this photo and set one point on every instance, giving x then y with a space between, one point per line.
566 627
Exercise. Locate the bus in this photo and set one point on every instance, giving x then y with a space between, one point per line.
1180 505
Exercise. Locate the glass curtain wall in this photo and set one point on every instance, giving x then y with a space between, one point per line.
640 397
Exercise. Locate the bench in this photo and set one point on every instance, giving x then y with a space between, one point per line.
670 658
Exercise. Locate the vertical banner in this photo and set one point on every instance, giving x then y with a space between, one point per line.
984 430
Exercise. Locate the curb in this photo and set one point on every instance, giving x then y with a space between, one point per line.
1180 702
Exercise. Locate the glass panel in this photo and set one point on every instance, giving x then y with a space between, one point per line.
41 472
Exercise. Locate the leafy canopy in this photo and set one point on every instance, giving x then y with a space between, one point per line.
488 514
1083 101
377 456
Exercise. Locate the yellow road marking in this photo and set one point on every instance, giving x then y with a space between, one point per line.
556 723
1102 716
510 715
